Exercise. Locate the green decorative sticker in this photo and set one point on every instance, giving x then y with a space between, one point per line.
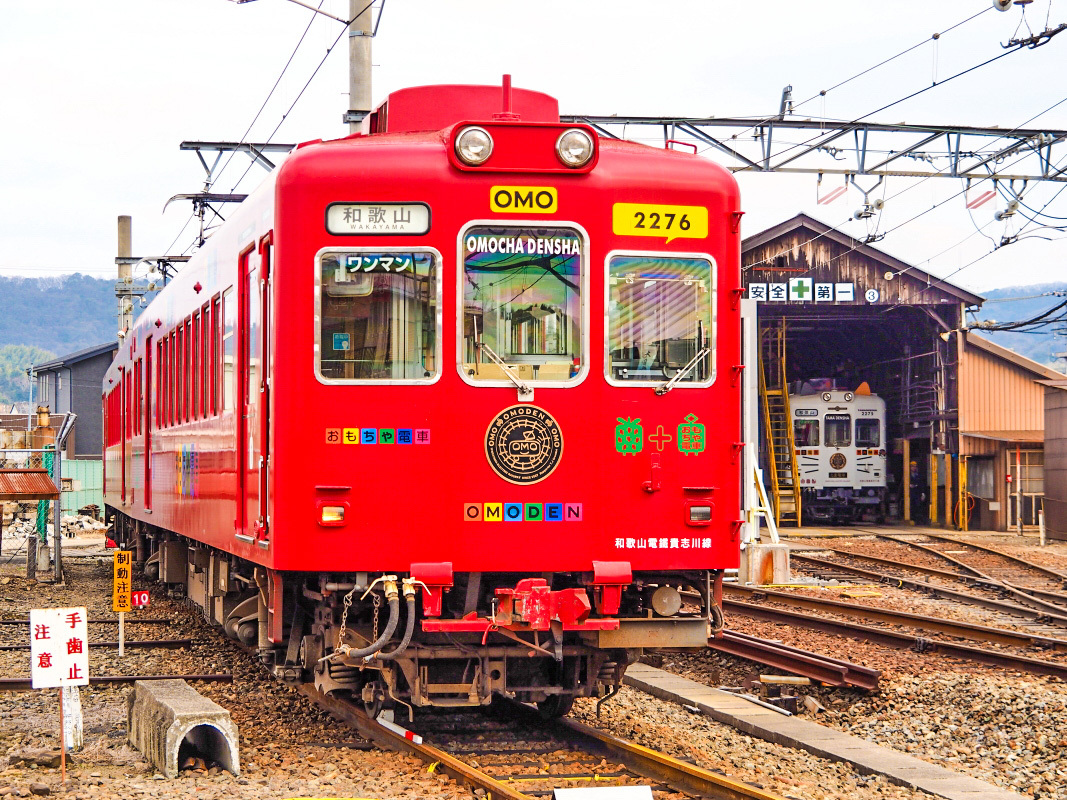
629 436
691 436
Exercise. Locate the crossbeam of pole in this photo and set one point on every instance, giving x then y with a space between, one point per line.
858 148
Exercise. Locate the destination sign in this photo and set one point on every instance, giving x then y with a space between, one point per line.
378 219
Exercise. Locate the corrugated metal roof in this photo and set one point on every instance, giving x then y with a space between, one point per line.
1017 359
20 485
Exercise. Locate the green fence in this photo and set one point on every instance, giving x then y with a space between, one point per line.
87 479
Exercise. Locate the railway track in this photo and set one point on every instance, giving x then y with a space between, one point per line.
512 754
831 624
985 596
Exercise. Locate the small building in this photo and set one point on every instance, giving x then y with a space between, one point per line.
1055 502
72 384
1002 429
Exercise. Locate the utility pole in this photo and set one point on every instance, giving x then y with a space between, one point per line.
124 285
359 63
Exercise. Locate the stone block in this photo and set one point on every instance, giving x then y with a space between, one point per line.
168 719
764 564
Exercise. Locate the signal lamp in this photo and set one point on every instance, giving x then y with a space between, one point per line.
574 147
474 146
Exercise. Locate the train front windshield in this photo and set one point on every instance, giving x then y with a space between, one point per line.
660 315
522 303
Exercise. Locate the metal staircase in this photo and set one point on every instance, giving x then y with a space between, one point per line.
777 424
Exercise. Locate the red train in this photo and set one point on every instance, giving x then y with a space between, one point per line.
447 408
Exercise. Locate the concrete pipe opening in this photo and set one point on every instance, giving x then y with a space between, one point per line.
205 746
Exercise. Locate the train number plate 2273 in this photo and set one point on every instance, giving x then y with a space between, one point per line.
659 221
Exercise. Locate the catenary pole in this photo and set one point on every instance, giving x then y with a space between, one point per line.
359 62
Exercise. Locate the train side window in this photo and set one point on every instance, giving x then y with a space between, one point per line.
205 360
194 367
216 310
377 317
806 433
229 350
661 319
187 376
867 433
524 304
838 430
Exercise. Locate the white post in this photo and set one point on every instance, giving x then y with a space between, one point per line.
72 718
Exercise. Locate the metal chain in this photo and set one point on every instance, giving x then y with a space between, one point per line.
377 605
344 616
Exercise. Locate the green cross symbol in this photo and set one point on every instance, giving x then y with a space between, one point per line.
800 289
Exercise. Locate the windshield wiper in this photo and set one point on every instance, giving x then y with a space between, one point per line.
665 387
523 388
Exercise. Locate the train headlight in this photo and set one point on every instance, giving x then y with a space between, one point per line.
574 147
474 146
332 515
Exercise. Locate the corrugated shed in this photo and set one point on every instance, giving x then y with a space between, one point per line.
999 397
20 485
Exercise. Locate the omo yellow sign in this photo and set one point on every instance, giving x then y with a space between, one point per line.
524 199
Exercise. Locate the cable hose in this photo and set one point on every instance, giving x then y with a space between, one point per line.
718 621
387 634
409 629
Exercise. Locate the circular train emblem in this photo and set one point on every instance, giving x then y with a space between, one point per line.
837 460
523 444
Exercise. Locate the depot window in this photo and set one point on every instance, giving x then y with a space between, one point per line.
838 430
661 319
523 307
867 433
376 316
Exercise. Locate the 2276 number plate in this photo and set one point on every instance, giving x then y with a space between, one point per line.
659 221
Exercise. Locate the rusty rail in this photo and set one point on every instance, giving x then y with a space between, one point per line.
131 621
1047 571
961 630
830 671
173 644
900 641
24 684
933 590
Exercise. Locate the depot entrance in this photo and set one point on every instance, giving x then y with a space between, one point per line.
834 312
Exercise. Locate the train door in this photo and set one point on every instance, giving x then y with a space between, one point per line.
147 390
251 394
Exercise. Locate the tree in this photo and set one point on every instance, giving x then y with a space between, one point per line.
15 359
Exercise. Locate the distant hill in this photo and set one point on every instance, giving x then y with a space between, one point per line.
61 314
1015 303
44 317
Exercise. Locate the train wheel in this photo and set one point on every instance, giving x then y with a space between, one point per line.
556 706
373 698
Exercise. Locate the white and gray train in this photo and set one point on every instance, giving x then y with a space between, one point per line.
840 441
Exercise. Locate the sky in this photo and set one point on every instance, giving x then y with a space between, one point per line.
96 98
